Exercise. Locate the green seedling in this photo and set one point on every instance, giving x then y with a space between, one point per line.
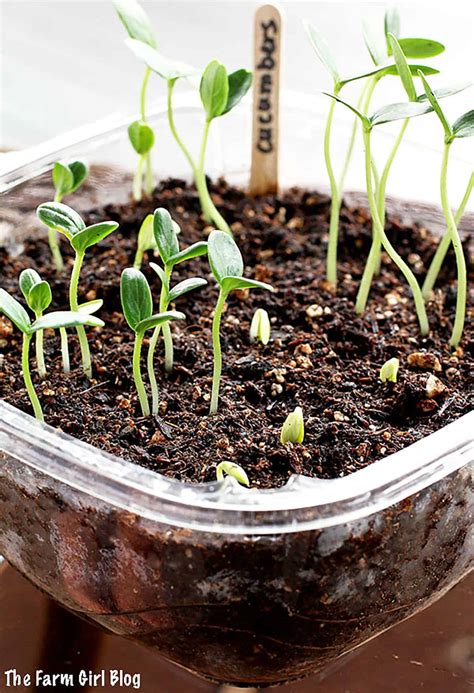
38 298
389 371
146 239
371 78
137 307
20 318
67 178
142 138
231 469
166 241
61 218
463 127
220 92
227 267
292 430
260 327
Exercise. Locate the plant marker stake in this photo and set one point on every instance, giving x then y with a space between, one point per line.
266 100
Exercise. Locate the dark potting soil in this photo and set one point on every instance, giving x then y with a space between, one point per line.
321 356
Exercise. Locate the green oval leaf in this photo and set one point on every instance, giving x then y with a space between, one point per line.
240 82
92 235
135 21
65 318
402 67
184 287
167 68
146 240
63 178
232 283
322 50
420 47
79 171
165 235
162 275
141 136
214 89
40 297
14 311
159 319
135 295
399 111
194 250
91 306
28 278
60 217
225 258
464 126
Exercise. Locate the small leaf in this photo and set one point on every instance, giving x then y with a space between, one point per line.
14 311
292 430
146 240
229 284
165 67
165 234
158 319
399 111
391 26
141 136
433 101
40 297
322 50
135 296
63 178
61 218
389 371
79 171
234 470
65 318
383 70
365 121
92 235
135 21
374 46
162 274
444 92
91 306
260 328
402 67
194 250
184 287
240 82
464 126
420 47
28 278
214 89
224 256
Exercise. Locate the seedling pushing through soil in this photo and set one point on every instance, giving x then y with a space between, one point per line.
231 469
260 328
227 267
389 371
292 430
38 298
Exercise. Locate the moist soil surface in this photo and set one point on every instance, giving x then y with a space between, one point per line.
321 355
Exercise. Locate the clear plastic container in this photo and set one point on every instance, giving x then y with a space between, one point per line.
241 586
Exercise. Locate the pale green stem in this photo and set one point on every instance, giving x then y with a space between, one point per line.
54 244
39 350
365 108
394 256
137 263
143 159
355 125
149 182
458 326
216 345
137 374
73 301
209 209
25 366
137 179
442 249
331 257
151 350
64 349
174 132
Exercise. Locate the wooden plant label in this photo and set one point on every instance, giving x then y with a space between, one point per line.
266 98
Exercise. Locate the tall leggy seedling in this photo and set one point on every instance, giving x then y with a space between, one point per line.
141 135
38 297
20 318
65 220
227 267
137 307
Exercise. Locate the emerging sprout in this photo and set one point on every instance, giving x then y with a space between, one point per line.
292 430
67 178
20 318
166 241
142 137
38 297
146 239
389 371
227 267
137 307
65 220
260 327
232 469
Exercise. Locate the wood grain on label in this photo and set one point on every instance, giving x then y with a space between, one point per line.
266 98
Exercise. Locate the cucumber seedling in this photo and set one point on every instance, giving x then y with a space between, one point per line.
38 298
232 469
292 430
389 371
15 312
61 218
146 239
227 267
260 328
166 241
137 305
